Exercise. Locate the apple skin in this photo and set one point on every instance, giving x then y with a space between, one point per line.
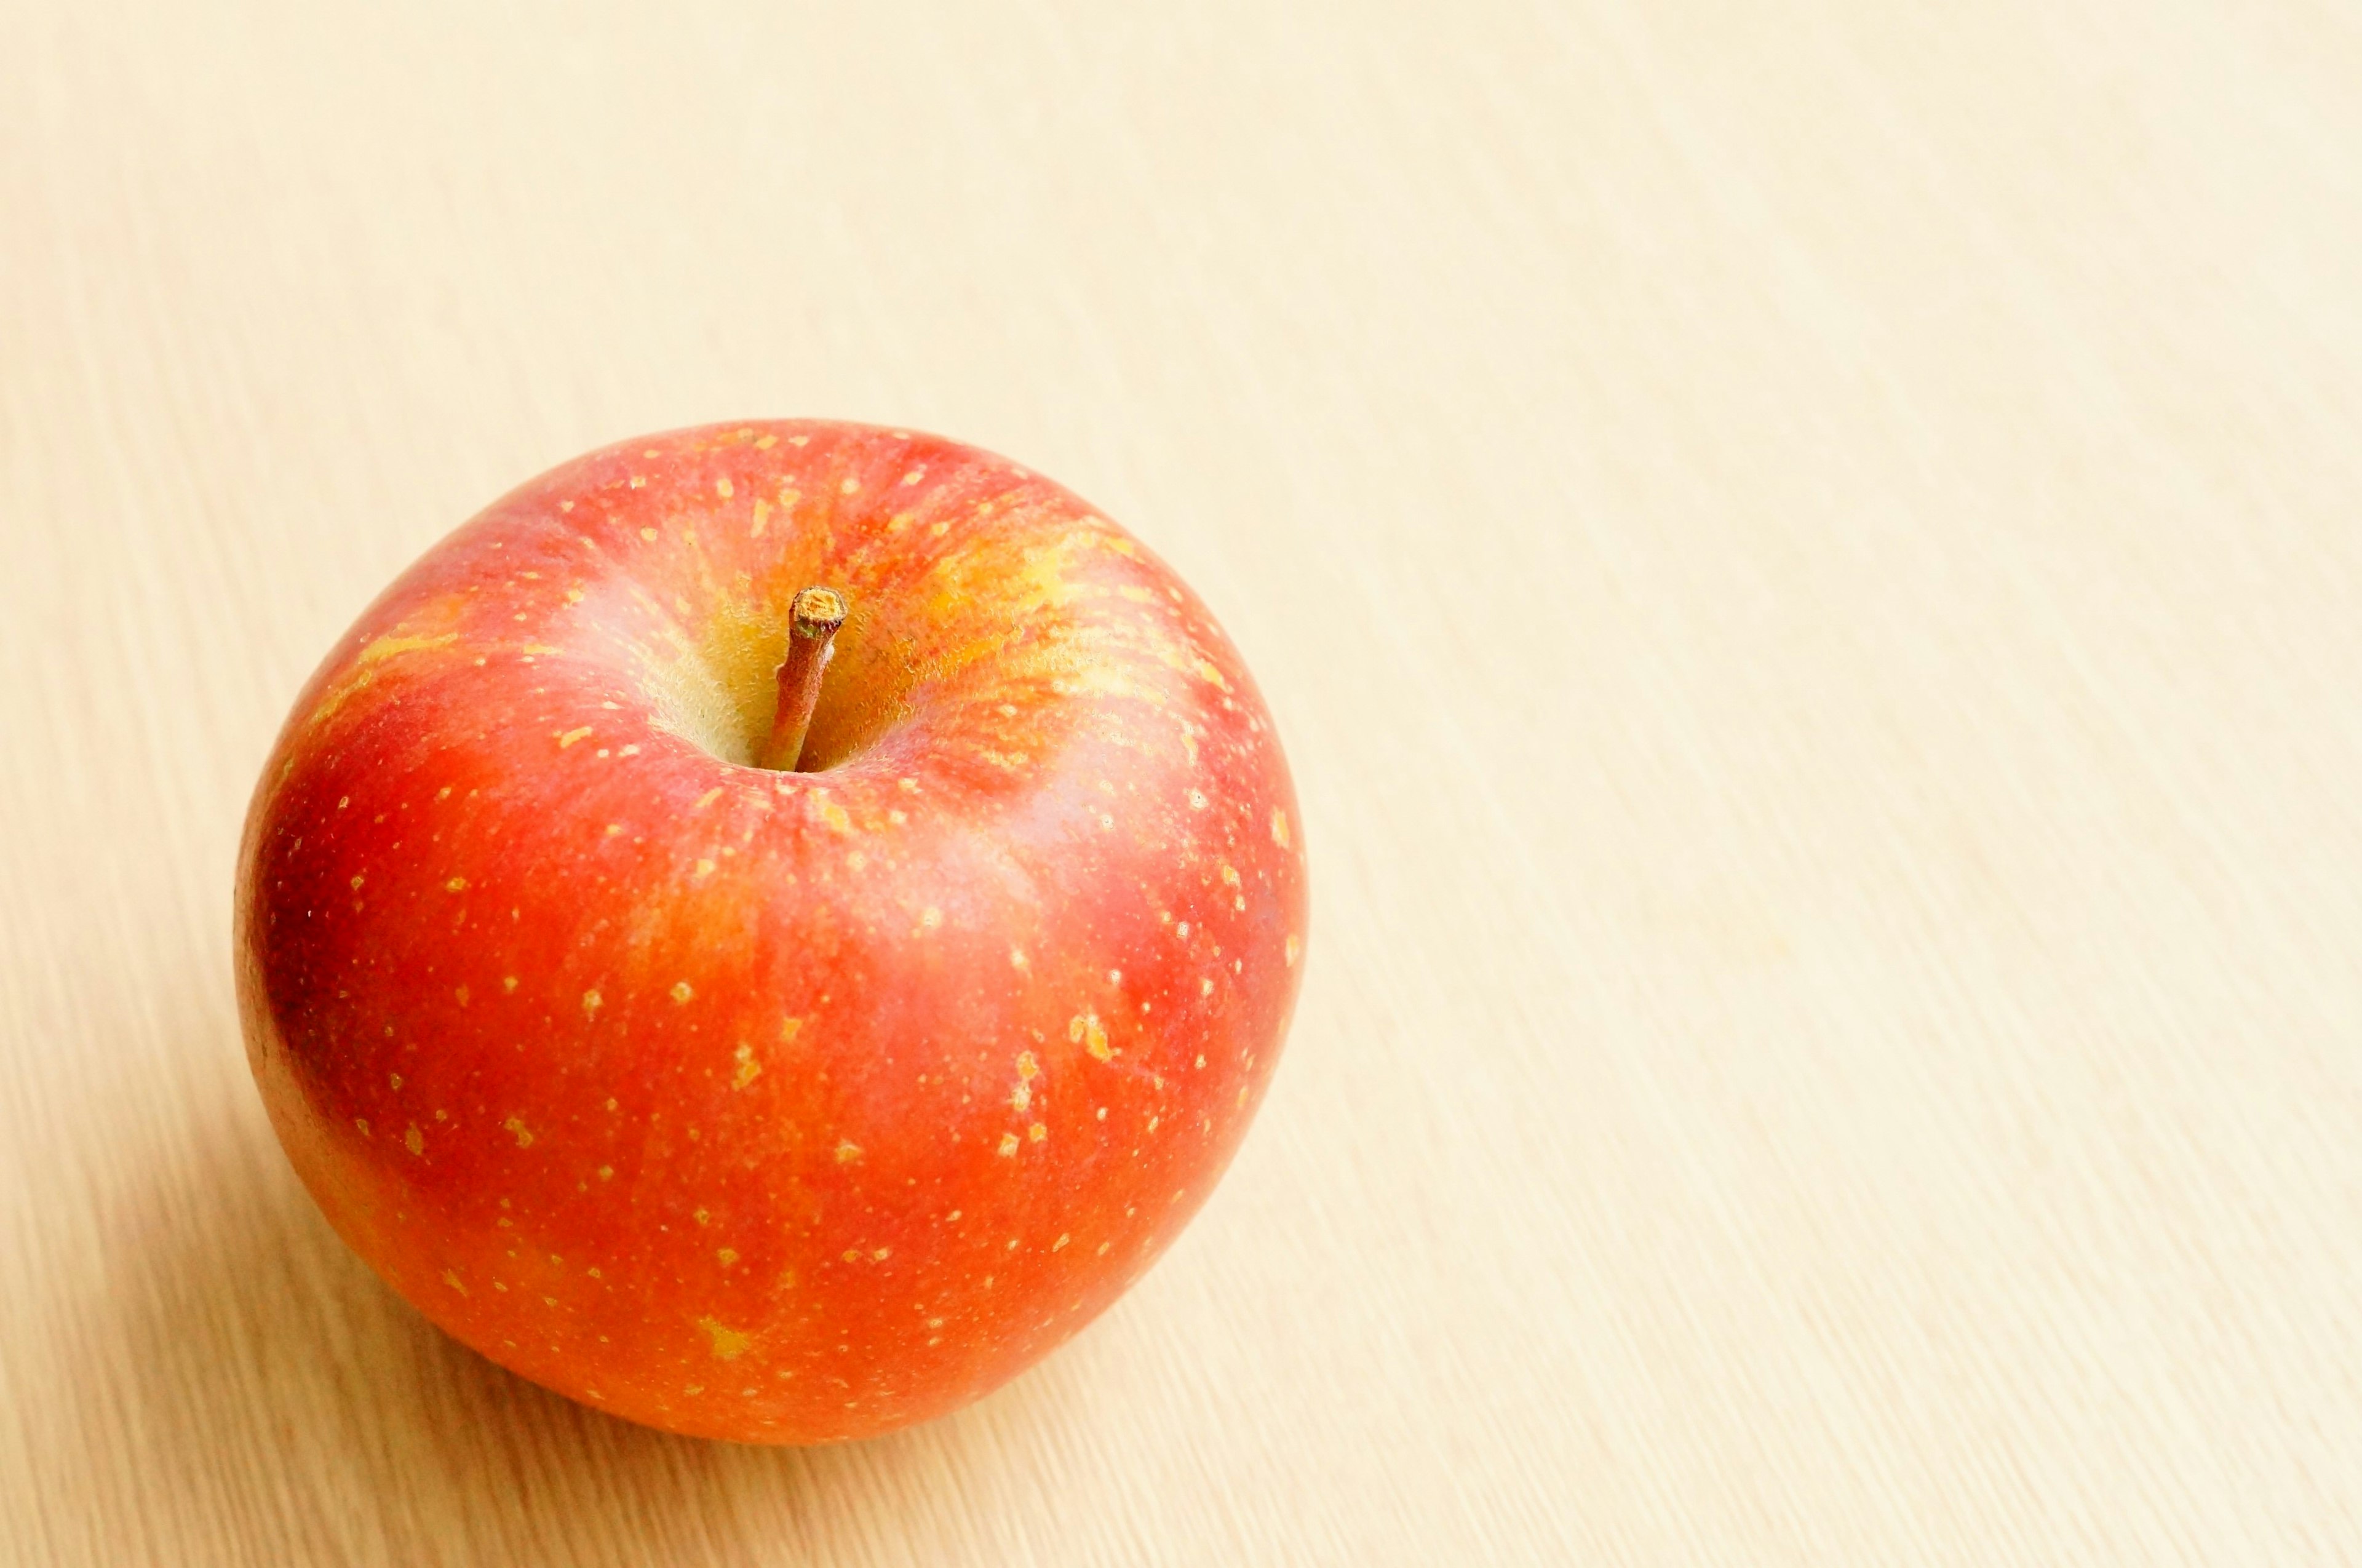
779 1107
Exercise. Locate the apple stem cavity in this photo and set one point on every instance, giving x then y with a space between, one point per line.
813 621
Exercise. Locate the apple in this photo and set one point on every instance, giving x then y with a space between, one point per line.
768 929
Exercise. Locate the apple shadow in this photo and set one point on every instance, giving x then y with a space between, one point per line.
244 1389
241 1387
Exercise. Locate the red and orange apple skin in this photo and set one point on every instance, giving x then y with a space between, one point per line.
781 1107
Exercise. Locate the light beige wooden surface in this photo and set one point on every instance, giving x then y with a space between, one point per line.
1809 559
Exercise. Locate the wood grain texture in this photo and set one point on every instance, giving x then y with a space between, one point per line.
1809 559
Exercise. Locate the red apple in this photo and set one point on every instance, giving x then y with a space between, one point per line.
774 1105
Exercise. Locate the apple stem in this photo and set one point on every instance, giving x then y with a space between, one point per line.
813 619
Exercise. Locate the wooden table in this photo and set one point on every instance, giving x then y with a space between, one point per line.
1809 559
